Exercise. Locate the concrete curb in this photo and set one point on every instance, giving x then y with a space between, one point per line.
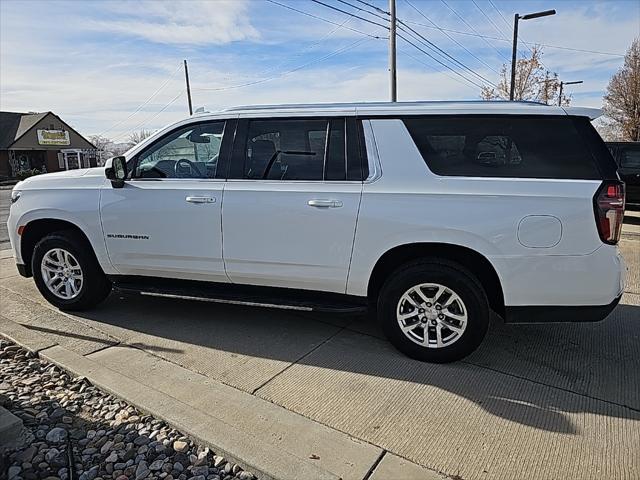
267 460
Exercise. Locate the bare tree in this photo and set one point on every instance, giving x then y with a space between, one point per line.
102 145
107 148
136 137
608 130
622 100
533 82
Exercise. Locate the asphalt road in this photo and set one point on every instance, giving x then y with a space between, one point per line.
5 201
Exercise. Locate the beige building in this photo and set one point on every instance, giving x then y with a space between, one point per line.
41 141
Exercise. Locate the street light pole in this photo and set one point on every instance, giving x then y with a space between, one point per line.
392 51
514 53
562 84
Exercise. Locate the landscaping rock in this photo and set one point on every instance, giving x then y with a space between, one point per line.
110 439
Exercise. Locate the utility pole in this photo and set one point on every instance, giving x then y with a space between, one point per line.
186 77
392 51
516 18
560 94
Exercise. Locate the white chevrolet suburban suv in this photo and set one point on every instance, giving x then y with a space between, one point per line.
429 214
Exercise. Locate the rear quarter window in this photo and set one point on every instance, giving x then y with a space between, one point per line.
503 146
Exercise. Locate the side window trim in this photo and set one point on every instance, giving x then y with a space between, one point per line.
229 130
370 154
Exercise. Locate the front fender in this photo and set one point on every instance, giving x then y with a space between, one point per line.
79 207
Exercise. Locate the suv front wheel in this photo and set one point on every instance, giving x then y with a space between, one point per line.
67 273
434 310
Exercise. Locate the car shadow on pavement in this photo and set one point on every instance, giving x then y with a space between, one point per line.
591 368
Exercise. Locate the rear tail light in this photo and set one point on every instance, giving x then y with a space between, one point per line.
609 209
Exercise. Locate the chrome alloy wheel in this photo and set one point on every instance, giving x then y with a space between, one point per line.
432 315
61 273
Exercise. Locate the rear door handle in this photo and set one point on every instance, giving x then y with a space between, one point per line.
191 199
324 203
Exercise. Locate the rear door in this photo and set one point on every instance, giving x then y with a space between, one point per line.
291 204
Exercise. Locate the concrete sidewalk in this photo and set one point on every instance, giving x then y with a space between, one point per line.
535 401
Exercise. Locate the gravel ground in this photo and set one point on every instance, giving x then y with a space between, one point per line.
110 439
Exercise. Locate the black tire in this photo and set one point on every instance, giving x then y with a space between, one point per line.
95 285
446 273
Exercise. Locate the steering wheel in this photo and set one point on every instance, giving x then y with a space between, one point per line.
180 169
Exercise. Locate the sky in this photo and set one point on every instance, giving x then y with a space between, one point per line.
115 67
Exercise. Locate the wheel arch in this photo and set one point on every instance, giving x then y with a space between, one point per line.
474 261
36 229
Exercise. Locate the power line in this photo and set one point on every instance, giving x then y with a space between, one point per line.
509 26
285 61
422 39
443 53
437 60
546 45
363 10
322 19
500 32
406 52
500 13
374 7
142 104
350 14
472 28
450 37
522 39
288 72
146 121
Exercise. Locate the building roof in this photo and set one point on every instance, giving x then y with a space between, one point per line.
14 124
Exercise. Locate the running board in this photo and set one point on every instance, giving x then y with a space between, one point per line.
249 295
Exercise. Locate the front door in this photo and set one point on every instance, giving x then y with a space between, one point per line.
166 220
290 208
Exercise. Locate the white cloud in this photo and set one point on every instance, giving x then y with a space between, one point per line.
110 57
182 22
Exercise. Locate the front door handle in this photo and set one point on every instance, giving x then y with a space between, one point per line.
191 199
324 203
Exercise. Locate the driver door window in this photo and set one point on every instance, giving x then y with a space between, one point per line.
191 152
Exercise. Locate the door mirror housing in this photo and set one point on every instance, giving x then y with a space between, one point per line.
116 171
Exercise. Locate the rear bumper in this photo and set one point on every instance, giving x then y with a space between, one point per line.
559 313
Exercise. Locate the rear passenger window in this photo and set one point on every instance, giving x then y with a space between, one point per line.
510 146
295 149
308 149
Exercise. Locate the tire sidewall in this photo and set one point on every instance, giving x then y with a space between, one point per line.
85 262
458 280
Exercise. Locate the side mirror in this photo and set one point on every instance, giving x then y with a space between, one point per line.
116 171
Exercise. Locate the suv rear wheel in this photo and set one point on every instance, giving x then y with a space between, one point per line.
434 310
67 273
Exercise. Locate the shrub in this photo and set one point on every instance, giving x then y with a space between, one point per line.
21 175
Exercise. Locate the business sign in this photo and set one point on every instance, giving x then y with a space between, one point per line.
53 137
